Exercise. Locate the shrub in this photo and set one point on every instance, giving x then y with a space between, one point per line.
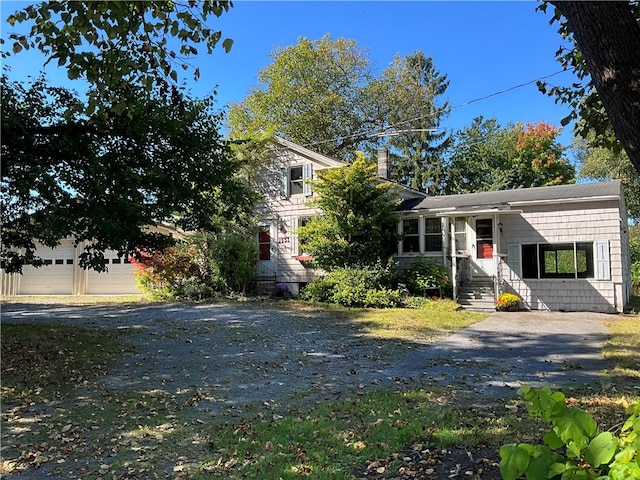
356 287
203 266
574 448
382 298
424 274
166 274
508 302
635 278
319 290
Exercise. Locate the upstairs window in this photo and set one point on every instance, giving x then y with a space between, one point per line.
295 180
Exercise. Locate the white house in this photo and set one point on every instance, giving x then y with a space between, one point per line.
286 192
563 247
559 248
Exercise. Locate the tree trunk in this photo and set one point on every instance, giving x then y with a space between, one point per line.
608 35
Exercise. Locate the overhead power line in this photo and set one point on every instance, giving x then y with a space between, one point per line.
396 128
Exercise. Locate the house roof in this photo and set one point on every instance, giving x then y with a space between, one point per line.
320 159
328 162
506 199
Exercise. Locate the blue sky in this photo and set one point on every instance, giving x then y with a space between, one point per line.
483 48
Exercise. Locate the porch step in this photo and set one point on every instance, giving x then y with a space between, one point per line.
477 295
265 285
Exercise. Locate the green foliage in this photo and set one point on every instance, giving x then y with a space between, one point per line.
103 180
117 46
312 91
486 156
574 448
424 273
599 163
508 301
323 93
202 266
356 287
410 91
357 224
590 118
635 278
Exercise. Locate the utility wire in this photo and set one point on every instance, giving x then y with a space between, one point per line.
395 126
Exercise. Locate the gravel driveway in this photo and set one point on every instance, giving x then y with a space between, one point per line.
258 352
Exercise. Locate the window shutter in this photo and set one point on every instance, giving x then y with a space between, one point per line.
603 265
513 257
307 175
284 182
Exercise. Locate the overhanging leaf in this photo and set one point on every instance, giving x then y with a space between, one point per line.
601 449
514 461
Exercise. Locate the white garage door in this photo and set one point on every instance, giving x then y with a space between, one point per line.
118 280
55 277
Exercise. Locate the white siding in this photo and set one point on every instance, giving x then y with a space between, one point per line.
574 222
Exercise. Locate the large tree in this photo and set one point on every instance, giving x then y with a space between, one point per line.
357 225
325 94
312 94
604 56
486 156
115 46
599 163
411 91
136 151
102 179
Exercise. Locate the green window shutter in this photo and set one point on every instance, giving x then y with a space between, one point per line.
284 182
603 264
307 175
513 260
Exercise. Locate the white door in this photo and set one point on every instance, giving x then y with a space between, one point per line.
117 280
482 261
55 277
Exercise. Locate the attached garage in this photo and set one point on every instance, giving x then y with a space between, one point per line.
62 275
55 277
117 280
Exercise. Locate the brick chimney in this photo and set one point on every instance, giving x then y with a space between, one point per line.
383 162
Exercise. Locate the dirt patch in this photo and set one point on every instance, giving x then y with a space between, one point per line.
419 463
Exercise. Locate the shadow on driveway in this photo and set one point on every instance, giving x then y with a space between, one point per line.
509 348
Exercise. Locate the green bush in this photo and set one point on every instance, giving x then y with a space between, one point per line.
320 290
383 298
574 448
635 278
356 287
203 266
424 274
